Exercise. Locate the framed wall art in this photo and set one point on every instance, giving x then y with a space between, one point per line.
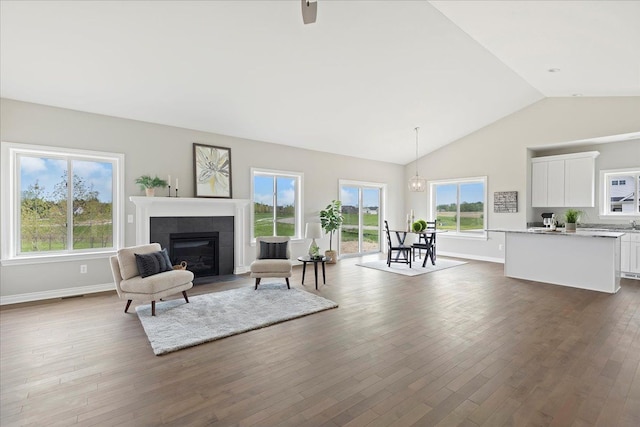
212 171
505 201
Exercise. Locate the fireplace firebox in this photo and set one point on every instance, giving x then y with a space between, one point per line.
199 250
162 228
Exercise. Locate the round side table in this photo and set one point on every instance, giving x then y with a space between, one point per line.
320 260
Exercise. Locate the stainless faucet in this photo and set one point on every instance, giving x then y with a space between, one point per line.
633 224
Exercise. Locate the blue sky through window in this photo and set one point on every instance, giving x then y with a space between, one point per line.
349 197
48 172
470 193
263 190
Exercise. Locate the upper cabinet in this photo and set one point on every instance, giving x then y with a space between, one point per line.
567 180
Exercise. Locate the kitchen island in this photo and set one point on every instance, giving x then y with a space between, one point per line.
581 259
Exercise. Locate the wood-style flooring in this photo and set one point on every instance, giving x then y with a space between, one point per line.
463 346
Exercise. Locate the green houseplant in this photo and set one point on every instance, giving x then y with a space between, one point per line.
571 217
149 184
331 219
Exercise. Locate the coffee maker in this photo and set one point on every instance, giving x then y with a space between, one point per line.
549 220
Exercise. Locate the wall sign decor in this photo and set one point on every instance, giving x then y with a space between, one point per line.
505 201
212 171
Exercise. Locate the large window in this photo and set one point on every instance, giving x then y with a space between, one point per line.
277 203
459 205
59 202
619 189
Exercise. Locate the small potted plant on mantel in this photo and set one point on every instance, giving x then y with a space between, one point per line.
570 218
149 184
331 219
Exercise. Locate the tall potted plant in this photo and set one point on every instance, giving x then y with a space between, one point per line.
331 219
571 217
149 184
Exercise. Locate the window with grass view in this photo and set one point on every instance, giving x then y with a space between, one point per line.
276 203
63 201
460 205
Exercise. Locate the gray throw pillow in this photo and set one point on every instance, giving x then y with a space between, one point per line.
153 263
165 254
270 250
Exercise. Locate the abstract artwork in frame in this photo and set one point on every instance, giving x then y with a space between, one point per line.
212 171
505 201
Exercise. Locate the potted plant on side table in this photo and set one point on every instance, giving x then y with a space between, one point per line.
571 217
331 219
149 184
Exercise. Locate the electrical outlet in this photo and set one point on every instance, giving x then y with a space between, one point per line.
83 268
500 247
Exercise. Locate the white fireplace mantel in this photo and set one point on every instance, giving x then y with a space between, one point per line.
147 207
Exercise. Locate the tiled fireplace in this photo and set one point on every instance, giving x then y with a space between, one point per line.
204 242
158 218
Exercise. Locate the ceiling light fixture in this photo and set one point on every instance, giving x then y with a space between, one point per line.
553 70
309 11
417 183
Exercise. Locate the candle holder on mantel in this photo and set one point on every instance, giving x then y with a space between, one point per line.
169 191
176 192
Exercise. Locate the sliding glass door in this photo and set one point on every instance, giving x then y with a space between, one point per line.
361 207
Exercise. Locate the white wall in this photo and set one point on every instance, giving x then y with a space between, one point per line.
500 152
162 150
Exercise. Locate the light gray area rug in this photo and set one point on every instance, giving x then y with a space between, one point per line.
209 317
416 267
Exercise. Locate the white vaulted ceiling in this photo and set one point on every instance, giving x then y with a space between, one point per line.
356 82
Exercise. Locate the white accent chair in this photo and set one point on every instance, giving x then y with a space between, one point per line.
130 285
261 268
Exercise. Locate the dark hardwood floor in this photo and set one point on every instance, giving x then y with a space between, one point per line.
462 346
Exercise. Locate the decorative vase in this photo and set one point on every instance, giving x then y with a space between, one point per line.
570 227
150 192
314 250
332 255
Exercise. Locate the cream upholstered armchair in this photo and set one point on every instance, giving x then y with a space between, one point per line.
272 259
131 284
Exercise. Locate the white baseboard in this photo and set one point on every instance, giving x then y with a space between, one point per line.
56 293
474 257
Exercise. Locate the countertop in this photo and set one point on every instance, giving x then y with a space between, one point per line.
560 232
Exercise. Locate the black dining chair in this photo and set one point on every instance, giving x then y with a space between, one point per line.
403 253
426 243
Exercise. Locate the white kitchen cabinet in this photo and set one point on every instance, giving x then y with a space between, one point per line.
579 182
539 180
625 248
630 255
555 188
566 180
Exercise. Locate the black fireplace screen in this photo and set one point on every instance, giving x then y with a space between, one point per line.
199 250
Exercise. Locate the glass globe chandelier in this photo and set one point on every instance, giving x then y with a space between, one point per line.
417 183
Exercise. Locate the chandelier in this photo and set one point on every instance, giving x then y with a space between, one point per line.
417 183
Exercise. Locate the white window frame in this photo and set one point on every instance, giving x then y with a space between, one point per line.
299 218
605 195
457 181
10 196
